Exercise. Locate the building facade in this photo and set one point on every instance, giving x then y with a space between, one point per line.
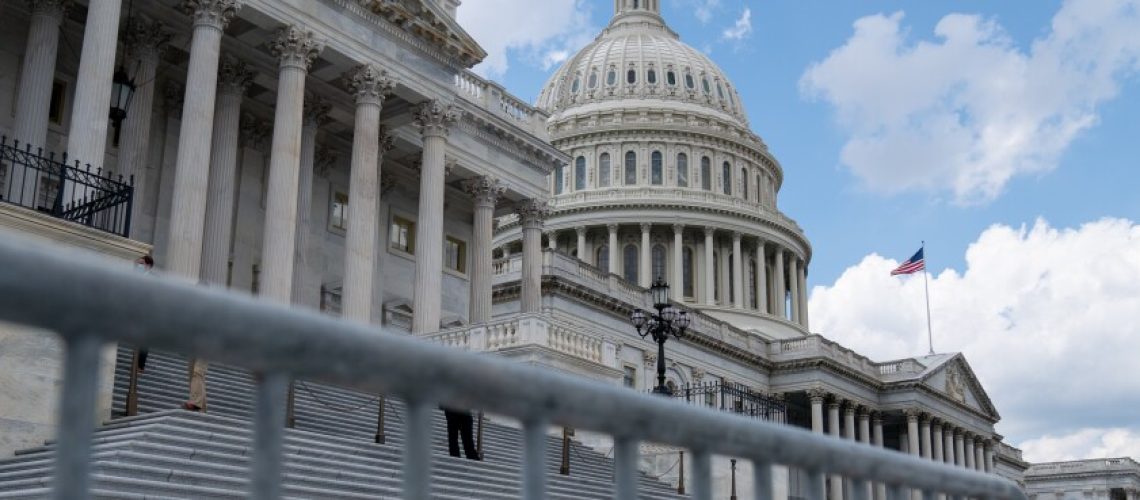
1098 479
340 155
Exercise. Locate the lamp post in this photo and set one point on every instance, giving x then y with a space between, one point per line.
667 321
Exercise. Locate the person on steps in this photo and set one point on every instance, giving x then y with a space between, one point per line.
145 265
462 423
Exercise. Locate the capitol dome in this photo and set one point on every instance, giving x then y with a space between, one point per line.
667 181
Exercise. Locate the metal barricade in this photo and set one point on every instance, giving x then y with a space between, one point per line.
48 288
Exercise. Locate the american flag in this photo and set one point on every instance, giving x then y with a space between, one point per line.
912 265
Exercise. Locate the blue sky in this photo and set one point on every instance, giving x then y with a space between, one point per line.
1004 134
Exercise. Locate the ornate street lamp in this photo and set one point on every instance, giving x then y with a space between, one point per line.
667 321
122 89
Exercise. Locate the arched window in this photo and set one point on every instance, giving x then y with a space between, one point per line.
604 170
631 76
744 182
576 85
706 173
593 81
720 90
635 3
611 77
759 190
630 168
687 272
602 257
726 174
682 170
656 174
716 275
580 173
752 282
731 272
658 262
689 80
629 263
671 78
558 179
651 77
705 84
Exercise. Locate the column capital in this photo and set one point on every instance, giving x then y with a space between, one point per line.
677 228
172 94
817 395
710 231
532 212
863 411
435 118
645 227
255 132
234 76
834 403
581 230
214 13
145 39
369 84
936 423
387 140
849 407
736 236
315 110
52 8
325 158
485 189
911 414
876 417
295 47
612 227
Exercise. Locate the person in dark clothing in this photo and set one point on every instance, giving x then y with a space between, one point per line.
145 265
460 423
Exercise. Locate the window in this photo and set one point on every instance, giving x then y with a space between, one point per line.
630 168
752 281
671 78
682 170
403 235
576 85
55 108
720 90
580 173
604 170
705 84
744 183
338 211
558 182
658 262
630 377
629 263
602 257
455 254
689 81
726 177
656 176
631 76
651 77
716 275
731 273
687 273
611 77
593 81
759 190
706 173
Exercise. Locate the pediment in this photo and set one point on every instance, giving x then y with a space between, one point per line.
427 21
956 380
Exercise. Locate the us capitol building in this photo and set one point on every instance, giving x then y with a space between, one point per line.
340 155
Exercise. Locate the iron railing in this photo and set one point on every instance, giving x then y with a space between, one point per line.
282 343
93 198
733 398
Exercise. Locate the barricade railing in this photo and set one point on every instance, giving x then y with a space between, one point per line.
90 301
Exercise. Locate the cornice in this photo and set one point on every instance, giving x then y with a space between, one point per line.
522 146
429 34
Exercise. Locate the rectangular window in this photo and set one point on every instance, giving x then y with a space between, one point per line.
55 108
455 254
403 235
338 212
630 379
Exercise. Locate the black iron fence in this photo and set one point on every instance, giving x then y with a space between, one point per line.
91 197
733 398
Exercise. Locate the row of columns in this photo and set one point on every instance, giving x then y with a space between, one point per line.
789 275
926 437
204 186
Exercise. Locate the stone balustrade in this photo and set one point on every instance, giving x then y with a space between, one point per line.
527 330
492 97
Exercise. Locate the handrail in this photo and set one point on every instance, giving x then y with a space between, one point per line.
280 342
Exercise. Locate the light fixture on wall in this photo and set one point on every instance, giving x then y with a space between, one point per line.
122 87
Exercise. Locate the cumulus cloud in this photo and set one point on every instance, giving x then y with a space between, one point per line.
703 9
541 33
968 110
1085 443
1049 318
741 29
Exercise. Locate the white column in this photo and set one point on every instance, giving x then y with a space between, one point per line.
644 277
913 446
145 41
192 166
710 278
532 213
738 271
864 425
816 397
803 295
761 278
233 80
613 248
849 421
678 263
794 284
959 448
87 136
877 441
989 457
486 192
979 454
781 305
435 120
833 429
295 49
936 441
924 436
582 254
552 240
306 287
968 458
948 445
369 86
33 99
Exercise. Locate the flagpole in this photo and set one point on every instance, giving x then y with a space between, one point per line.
926 287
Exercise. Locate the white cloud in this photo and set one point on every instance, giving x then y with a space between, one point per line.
1049 319
1085 443
703 9
741 29
543 33
969 110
